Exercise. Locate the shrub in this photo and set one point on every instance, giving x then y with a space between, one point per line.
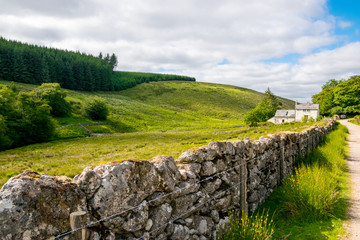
24 118
97 109
36 124
257 226
5 141
55 96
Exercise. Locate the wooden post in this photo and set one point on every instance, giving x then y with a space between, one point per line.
282 163
243 188
78 219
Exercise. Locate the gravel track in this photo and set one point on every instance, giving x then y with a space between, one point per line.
354 165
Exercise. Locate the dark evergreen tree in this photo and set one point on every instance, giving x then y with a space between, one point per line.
113 61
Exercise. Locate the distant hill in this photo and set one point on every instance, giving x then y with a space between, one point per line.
123 80
171 105
33 64
179 105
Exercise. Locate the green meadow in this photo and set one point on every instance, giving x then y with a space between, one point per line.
70 156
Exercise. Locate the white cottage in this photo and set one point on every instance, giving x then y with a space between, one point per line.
301 111
306 111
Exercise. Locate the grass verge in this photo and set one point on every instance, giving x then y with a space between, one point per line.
312 203
355 120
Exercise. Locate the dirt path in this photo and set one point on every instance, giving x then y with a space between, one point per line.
354 166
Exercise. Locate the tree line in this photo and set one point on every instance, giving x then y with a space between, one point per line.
35 65
32 64
124 80
339 97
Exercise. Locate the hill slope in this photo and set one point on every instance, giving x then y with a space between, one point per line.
179 105
173 105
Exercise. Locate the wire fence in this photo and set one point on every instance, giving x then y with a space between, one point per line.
203 203
93 223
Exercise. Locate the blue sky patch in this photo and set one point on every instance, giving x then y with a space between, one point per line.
347 17
166 70
289 58
224 62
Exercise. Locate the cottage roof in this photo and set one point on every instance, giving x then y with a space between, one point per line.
285 113
307 106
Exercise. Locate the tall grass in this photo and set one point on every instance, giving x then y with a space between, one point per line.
310 193
259 226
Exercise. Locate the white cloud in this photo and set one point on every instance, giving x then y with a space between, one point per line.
344 24
191 37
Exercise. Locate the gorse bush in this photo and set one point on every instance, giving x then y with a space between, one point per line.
258 226
97 109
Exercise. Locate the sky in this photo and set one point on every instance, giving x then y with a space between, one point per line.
291 46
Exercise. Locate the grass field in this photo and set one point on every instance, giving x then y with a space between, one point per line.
70 156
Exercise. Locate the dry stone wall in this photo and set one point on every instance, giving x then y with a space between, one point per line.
157 199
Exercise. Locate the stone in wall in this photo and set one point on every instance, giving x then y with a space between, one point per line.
38 206
121 186
169 174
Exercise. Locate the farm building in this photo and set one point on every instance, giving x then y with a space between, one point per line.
301 111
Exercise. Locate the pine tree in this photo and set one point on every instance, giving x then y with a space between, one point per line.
113 61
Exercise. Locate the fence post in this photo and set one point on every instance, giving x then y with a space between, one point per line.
243 188
78 219
282 163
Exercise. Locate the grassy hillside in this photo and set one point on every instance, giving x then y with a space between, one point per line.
182 105
174 105
123 80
